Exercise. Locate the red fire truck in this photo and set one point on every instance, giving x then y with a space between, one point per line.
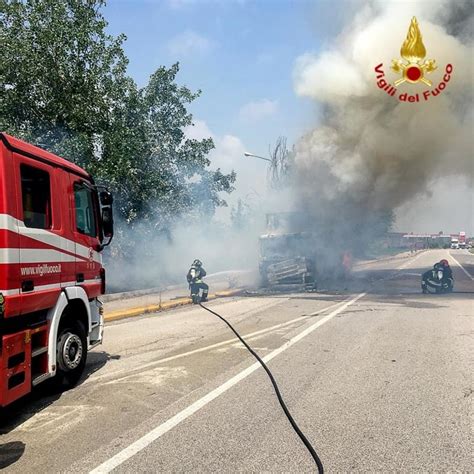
54 222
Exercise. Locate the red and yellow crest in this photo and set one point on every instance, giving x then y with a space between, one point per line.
413 67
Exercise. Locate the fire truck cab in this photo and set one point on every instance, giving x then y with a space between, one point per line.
54 222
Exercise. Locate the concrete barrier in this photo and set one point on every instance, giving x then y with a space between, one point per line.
162 306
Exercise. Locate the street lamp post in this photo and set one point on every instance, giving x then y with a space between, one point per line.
256 156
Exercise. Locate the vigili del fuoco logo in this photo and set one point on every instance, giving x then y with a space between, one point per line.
413 69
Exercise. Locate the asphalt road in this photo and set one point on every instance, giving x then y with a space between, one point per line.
378 377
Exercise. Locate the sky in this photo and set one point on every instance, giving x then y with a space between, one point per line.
241 54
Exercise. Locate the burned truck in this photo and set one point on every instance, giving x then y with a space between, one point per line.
287 253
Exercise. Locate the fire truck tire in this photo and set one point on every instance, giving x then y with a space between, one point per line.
71 353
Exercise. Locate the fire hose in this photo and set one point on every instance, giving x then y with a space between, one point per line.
298 431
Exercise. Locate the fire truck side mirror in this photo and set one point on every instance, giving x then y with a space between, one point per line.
107 217
107 221
106 198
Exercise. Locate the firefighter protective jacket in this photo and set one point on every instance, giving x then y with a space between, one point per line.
195 274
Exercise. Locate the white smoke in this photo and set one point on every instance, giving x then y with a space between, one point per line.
163 258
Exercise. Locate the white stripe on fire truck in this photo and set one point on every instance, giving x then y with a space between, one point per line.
9 255
15 291
25 256
8 222
51 286
64 284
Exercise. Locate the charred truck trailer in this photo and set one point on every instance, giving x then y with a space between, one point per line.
295 256
53 224
287 254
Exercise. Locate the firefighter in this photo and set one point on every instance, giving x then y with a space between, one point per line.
195 275
446 284
444 265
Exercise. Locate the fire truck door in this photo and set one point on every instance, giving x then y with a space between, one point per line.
86 231
40 235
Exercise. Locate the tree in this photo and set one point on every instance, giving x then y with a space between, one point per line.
64 86
167 175
281 163
60 73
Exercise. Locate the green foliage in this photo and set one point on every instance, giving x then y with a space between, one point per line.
59 72
64 86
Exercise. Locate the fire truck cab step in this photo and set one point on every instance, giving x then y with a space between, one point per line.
36 379
38 351
94 344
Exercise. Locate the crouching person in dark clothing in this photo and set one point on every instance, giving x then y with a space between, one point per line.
439 279
195 275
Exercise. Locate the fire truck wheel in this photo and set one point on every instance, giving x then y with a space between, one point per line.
71 353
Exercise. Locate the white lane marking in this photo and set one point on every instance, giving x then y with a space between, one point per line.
160 430
462 268
406 264
212 346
